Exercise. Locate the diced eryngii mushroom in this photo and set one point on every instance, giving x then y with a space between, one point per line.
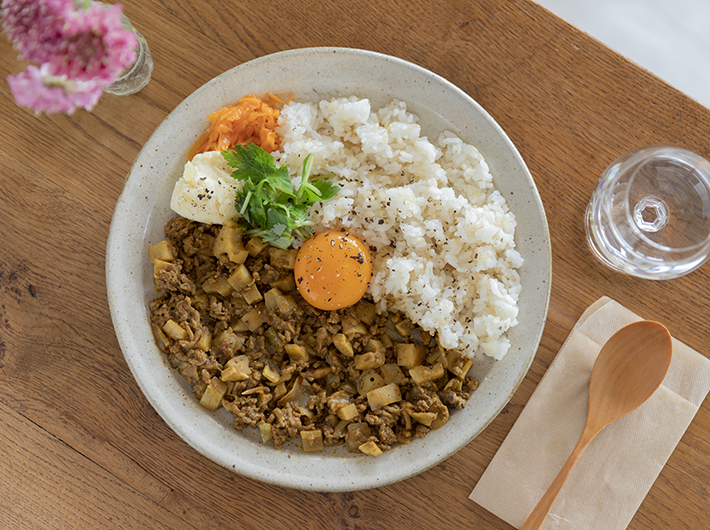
343 345
404 327
160 337
370 449
160 266
352 327
174 330
347 412
218 285
466 367
239 326
312 440
273 337
229 242
410 355
407 418
455 385
270 297
251 294
368 360
164 251
423 374
205 340
441 418
341 429
317 373
296 352
357 434
285 259
285 284
368 381
299 396
392 373
212 397
227 340
188 370
392 331
255 245
276 301
252 319
271 372
265 432
280 390
366 312
240 278
236 369
338 399
436 355
255 390
386 395
376 346
425 418
386 341
339 402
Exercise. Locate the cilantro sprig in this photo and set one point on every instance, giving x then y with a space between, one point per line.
268 203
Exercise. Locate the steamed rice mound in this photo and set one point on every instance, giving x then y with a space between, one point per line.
442 234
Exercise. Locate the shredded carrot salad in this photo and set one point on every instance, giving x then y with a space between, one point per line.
251 119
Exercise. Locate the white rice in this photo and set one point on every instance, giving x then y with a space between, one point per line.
445 253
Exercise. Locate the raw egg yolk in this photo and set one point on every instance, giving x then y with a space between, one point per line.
333 270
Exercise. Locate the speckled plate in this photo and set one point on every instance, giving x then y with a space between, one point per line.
143 209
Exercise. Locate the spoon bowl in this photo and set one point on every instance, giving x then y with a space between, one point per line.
629 369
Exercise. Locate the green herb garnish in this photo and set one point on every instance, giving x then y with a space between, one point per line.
268 202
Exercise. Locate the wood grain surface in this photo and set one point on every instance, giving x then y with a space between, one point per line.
81 448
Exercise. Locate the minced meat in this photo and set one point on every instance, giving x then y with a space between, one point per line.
232 322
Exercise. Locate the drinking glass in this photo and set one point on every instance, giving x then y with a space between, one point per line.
649 215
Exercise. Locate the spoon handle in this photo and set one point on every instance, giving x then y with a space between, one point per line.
537 516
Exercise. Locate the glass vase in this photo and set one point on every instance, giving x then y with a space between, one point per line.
136 76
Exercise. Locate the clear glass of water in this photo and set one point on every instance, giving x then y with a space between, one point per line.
649 215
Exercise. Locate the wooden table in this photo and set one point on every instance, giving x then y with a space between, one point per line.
81 448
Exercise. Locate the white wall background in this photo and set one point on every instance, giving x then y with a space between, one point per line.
670 38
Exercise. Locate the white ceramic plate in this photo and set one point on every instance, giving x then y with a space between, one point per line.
143 209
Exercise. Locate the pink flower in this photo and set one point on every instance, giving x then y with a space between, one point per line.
38 89
35 27
80 51
96 46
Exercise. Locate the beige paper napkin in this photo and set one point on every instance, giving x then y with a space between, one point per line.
620 465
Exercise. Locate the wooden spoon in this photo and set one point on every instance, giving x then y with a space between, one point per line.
630 367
